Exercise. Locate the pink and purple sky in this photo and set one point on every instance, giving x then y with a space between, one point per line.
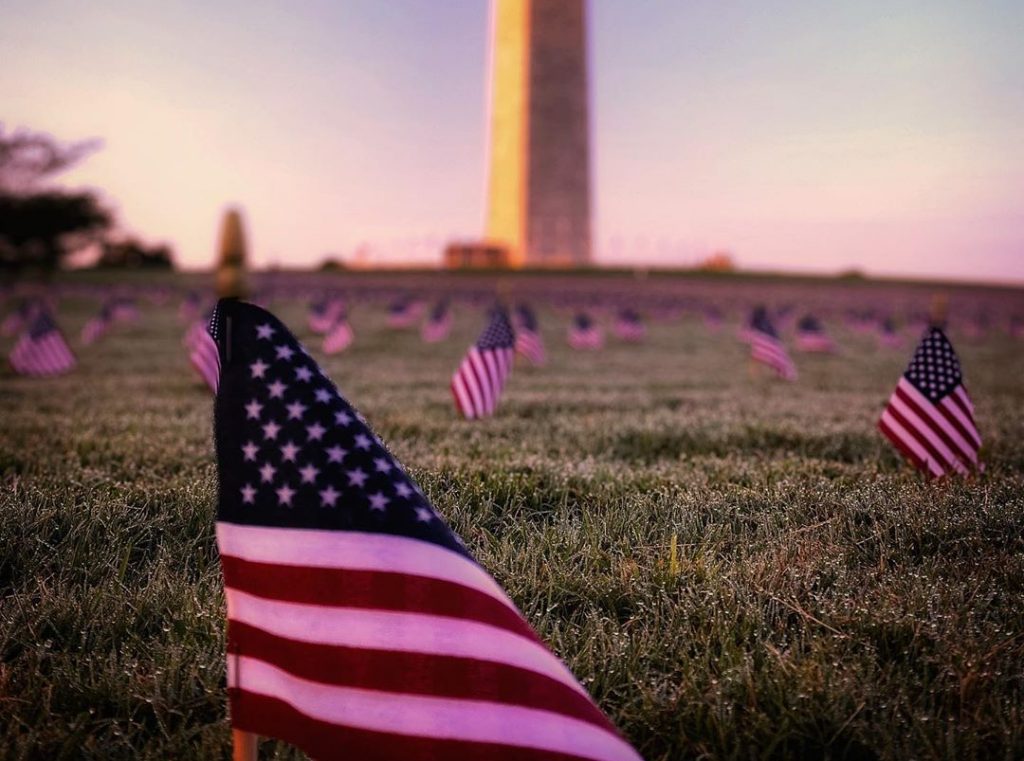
881 134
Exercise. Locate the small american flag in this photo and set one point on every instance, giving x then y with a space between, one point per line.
124 310
404 312
767 348
98 326
340 335
41 350
629 326
324 313
930 417
529 341
359 626
202 352
438 324
811 336
480 379
585 334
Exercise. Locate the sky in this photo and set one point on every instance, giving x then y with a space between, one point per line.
883 135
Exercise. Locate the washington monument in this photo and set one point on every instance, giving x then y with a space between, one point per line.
539 172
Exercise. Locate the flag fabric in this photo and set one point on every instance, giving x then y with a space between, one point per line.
629 326
41 350
585 334
713 319
340 336
202 353
124 310
767 348
359 625
529 341
930 417
404 312
811 336
98 326
438 324
478 382
324 314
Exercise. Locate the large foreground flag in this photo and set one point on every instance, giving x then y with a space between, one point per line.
480 379
359 626
529 341
42 350
767 348
930 417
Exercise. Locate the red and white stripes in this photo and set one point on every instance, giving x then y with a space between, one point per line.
480 379
203 354
937 438
44 356
771 352
382 646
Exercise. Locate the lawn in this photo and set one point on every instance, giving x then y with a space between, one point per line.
825 601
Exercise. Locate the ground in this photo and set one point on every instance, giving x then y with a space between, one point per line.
824 601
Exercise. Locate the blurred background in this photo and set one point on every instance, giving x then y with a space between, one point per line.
868 136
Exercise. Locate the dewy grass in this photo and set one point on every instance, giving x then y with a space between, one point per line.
822 600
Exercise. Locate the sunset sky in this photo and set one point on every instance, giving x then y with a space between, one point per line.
881 134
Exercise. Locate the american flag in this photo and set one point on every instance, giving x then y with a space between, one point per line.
529 341
124 310
930 417
202 353
404 312
41 350
438 324
359 625
480 379
340 336
98 326
888 335
584 333
767 348
324 313
811 336
629 326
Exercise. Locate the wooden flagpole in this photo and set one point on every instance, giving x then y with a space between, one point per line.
245 744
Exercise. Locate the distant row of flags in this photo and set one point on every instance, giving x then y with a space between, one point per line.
479 381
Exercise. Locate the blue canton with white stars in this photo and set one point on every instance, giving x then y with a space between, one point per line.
498 334
935 368
292 452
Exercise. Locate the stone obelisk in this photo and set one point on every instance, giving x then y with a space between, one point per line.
539 163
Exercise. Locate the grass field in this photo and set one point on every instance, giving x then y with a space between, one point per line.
827 601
